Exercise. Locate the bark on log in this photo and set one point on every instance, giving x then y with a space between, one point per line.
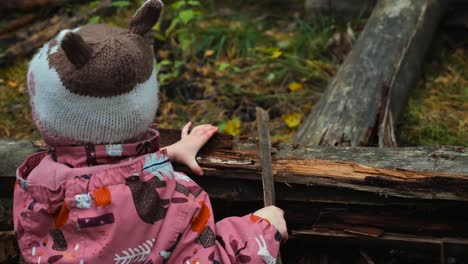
424 179
444 159
362 103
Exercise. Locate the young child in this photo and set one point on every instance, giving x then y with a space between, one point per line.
105 192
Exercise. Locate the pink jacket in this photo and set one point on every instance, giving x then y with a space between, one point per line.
125 204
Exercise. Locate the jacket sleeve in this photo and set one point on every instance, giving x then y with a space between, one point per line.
247 239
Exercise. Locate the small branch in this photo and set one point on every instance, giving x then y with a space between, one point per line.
265 157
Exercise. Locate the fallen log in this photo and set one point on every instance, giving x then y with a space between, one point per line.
397 183
364 100
443 159
421 173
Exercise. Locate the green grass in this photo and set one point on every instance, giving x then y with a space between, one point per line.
238 63
437 112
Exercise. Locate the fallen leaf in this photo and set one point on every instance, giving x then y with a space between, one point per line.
186 15
160 36
205 70
209 53
163 54
233 127
22 88
12 84
445 80
276 54
223 66
292 120
222 126
294 86
271 76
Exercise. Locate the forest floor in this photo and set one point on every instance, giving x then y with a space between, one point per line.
217 62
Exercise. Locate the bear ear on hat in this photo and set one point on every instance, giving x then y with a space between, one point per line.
76 49
146 17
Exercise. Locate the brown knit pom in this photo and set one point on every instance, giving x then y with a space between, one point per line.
146 17
76 50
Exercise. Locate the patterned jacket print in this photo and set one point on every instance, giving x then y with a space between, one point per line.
125 204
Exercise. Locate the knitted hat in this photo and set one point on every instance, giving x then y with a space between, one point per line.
96 84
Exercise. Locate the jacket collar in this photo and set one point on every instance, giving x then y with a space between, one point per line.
91 155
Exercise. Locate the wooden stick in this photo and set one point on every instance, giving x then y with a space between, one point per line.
265 158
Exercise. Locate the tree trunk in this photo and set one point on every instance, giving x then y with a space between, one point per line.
362 103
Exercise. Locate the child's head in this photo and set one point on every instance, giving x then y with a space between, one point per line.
96 84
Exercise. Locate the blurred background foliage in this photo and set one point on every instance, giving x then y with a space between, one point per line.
218 60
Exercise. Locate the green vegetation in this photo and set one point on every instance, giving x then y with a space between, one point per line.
437 113
217 63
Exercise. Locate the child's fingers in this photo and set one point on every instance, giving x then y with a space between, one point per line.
197 129
211 131
207 131
193 165
185 130
200 130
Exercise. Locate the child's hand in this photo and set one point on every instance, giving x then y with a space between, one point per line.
276 217
185 150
